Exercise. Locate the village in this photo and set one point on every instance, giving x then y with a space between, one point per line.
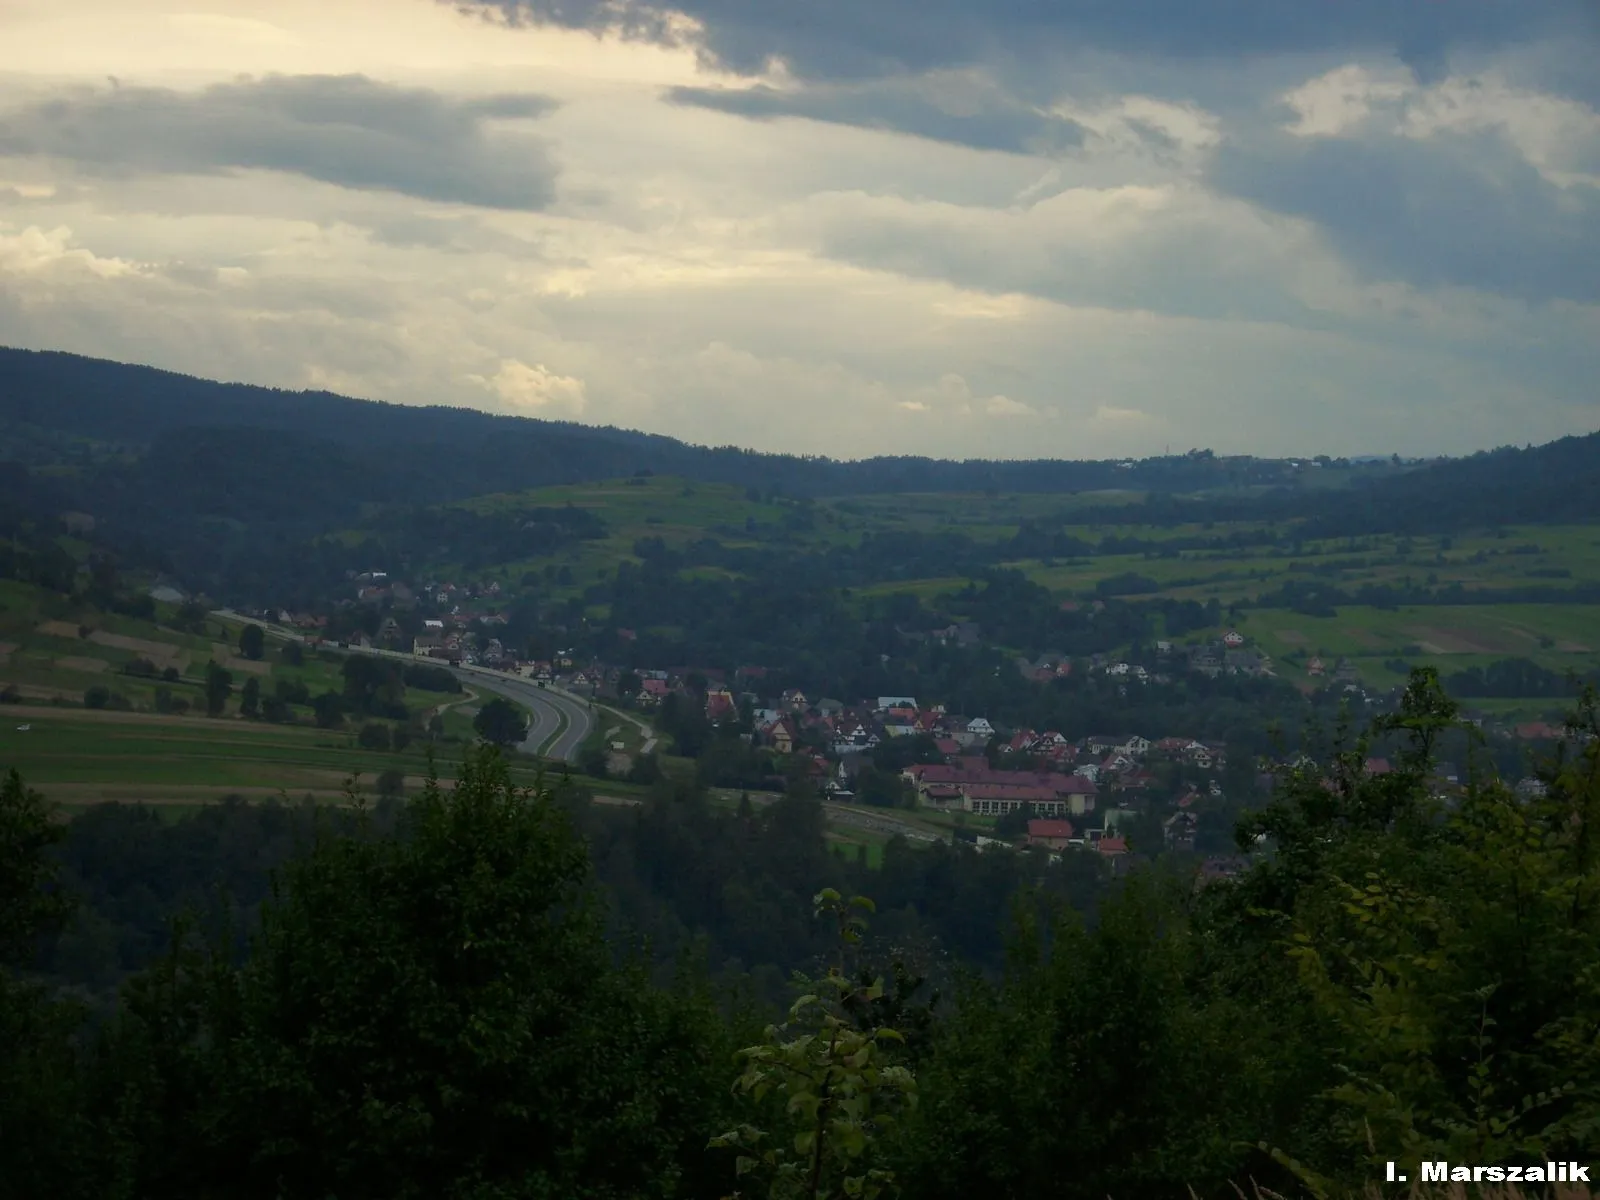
1000 787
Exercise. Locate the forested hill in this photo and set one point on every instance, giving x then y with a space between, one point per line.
145 443
1556 482
56 403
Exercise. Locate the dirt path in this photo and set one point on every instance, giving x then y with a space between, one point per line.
467 697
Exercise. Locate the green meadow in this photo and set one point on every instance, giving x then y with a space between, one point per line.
81 756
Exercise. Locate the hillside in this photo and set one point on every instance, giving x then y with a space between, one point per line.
79 411
270 499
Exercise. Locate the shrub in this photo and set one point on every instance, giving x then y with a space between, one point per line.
374 735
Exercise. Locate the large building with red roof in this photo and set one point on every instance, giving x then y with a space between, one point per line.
987 792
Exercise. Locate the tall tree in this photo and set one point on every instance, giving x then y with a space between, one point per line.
439 1015
250 698
500 723
40 1127
252 642
219 686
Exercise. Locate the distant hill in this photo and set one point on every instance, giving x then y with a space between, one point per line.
1556 482
73 408
230 486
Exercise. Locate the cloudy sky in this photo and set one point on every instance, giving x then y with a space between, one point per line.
970 228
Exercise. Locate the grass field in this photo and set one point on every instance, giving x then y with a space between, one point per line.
80 756
53 649
1451 638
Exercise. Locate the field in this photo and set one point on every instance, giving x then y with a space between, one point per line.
52 649
83 756
1559 637
52 652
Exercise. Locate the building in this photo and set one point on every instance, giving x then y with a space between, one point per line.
1051 834
983 791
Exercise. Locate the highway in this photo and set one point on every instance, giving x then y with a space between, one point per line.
547 706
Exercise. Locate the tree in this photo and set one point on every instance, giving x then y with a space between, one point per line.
827 1065
592 761
881 789
43 1148
99 696
191 617
432 1014
219 686
500 723
29 902
374 735
293 654
1015 823
329 710
250 698
252 642
1468 935
391 783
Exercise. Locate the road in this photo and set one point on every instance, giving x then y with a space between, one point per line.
547 706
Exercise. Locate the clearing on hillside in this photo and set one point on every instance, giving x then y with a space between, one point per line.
73 663
154 651
1436 639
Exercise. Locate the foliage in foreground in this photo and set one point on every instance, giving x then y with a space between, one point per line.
436 1011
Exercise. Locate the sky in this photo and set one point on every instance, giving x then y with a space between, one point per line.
961 228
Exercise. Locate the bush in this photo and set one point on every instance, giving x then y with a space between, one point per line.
374 735
171 675
141 668
431 679
97 697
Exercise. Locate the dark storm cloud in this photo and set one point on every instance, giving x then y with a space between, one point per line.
845 39
919 107
346 130
1452 209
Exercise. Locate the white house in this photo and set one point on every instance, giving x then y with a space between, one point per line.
979 727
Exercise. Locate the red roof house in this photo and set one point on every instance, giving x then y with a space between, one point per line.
1054 835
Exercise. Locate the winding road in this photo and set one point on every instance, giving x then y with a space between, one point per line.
560 721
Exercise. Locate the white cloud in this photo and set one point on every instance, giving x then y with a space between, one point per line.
535 390
1558 135
1341 100
793 285
1005 406
37 251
